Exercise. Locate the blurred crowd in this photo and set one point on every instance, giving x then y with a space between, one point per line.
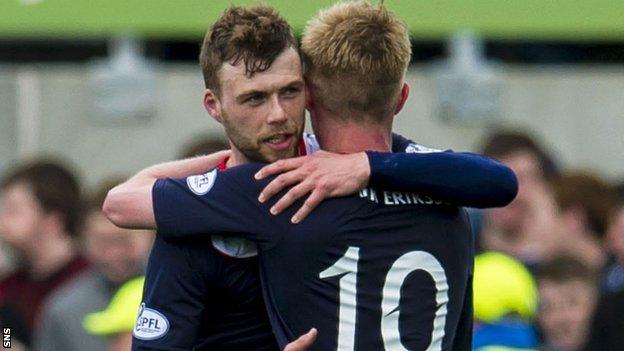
549 274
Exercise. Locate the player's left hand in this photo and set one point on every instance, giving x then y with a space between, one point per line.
322 175
304 342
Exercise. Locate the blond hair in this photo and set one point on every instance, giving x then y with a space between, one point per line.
357 54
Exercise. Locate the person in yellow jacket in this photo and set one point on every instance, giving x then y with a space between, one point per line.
505 302
118 319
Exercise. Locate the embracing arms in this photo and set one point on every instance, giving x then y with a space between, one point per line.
129 204
461 178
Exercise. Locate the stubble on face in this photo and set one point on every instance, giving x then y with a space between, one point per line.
251 144
253 126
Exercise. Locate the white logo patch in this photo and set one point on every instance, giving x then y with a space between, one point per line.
419 149
235 247
201 184
150 324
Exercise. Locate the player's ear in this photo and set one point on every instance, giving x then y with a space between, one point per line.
212 104
402 98
309 97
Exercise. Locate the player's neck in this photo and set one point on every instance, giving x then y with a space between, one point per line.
351 137
236 158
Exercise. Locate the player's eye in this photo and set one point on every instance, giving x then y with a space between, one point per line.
291 92
255 99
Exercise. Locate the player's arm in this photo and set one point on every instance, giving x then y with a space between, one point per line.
177 288
218 202
464 179
129 205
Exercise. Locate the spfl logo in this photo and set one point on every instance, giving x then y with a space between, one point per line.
150 324
201 184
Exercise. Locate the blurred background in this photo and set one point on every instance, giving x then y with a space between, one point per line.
101 89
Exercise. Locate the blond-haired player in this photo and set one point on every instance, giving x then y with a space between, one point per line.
224 202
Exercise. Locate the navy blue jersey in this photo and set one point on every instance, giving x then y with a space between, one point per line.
196 298
378 270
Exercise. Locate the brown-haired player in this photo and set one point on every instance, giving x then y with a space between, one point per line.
258 104
205 294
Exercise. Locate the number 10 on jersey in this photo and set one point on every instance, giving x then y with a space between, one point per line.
411 261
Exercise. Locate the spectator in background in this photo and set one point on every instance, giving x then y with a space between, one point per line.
607 330
613 280
584 205
568 293
117 320
505 301
526 228
204 145
116 255
7 261
39 218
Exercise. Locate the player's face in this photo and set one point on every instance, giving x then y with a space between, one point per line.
118 253
21 217
263 115
565 312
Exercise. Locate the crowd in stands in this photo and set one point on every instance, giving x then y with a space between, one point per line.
549 274
566 229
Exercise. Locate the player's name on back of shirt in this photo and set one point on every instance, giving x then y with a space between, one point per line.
397 198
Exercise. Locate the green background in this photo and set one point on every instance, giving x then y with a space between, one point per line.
512 19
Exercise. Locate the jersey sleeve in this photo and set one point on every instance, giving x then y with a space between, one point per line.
464 179
218 202
174 295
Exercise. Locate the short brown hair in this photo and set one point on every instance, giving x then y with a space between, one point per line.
54 186
618 190
255 35
561 269
590 193
358 54
504 143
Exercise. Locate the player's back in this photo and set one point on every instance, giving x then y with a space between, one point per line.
379 271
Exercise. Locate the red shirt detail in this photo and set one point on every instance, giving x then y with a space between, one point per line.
26 296
302 147
222 166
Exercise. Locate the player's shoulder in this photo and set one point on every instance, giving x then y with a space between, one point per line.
201 184
399 144
403 144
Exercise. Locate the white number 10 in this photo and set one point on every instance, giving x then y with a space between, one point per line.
391 296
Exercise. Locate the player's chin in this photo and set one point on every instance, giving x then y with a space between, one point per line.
271 155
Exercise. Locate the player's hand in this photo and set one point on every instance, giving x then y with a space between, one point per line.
322 175
304 341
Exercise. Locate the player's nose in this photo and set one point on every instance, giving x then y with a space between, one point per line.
276 113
